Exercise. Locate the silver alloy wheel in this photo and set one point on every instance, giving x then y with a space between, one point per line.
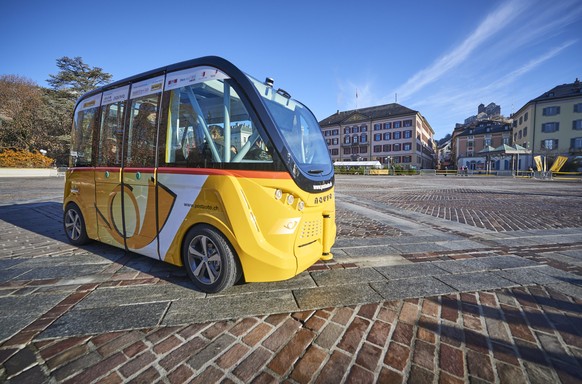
204 259
73 224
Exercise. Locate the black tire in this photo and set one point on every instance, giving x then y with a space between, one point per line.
74 225
209 259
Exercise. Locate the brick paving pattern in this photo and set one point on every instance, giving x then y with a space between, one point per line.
508 307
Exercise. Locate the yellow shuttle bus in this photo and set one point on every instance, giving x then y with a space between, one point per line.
202 166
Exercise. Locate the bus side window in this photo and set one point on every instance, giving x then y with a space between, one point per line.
143 124
184 139
209 125
83 133
111 137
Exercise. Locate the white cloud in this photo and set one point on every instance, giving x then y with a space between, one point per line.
491 25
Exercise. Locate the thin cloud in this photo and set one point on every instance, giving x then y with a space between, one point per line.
347 90
492 24
514 75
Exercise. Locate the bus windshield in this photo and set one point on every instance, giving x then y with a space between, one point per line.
299 129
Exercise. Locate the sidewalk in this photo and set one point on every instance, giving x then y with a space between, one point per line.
432 282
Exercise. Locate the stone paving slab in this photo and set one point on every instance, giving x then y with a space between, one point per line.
105 319
227 307
478 281
412 287
346 276
333 296
411 270
118 296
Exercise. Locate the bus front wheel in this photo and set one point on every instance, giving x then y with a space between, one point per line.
74 224
209 260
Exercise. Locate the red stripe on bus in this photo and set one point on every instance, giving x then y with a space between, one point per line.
197 171
226 172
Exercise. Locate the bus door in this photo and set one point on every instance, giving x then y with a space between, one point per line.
108 196
138 175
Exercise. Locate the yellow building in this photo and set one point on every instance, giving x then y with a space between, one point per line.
551 124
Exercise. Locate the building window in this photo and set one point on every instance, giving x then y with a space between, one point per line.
406 146
549 144
525 117
377 127
577 125
397 124
363 138
407 123
355 129
387 147
355 139
551 111
396 147
387 136
387 125
578 107
346 130
519 135
377 148
347 140
407 159
377 136
334 152
550 127
363 149
347 151
335 141
576 144
397 135
520 120
363 128
407 134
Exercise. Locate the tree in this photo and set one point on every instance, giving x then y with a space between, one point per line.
73 80
76 77
20 100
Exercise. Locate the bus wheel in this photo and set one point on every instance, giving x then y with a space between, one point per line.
75 225
209 260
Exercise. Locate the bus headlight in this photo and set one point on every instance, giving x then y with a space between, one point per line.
278 194
290 199
300 205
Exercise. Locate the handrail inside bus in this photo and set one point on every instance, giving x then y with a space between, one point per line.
246 148
202 124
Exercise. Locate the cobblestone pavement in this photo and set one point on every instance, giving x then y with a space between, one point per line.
435 280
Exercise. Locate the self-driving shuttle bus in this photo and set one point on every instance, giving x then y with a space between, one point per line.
202 166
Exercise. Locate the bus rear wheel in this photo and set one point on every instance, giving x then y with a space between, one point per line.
209 259
74 225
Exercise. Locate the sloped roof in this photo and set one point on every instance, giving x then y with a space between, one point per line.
367 114
487 149
561 91
485 126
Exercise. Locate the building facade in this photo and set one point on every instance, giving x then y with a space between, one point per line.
470 141
391 134
551 124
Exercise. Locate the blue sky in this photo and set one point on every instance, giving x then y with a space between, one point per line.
442 58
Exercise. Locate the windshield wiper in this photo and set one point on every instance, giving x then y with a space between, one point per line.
315 171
